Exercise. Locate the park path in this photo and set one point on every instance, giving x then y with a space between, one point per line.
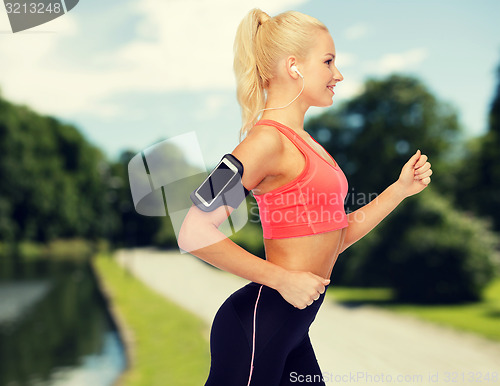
362 345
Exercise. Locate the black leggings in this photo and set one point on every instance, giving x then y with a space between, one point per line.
283 353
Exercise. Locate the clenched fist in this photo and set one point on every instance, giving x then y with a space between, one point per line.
415 175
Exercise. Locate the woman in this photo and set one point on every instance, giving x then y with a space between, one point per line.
260 334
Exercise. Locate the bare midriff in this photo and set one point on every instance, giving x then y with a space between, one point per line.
314 253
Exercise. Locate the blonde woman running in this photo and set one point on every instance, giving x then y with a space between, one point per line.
259 336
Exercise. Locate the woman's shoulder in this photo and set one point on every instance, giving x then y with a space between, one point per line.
267 136
260 153
262 128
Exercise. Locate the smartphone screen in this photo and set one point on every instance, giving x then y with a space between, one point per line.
216 182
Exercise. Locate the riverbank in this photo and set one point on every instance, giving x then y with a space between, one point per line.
166 343
124 332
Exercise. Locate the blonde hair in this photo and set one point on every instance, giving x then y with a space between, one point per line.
260 42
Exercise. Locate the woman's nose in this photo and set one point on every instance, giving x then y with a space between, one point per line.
337 75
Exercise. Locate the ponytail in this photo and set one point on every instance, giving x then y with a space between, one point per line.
250 88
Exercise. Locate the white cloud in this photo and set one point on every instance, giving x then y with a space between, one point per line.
356 31
29 70
347 89
192 43
178 45
211 107
344 59
400 61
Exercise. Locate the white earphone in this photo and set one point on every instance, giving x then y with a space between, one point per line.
294 68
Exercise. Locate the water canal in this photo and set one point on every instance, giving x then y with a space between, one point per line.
54 326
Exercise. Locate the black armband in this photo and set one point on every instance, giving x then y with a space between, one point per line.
223 186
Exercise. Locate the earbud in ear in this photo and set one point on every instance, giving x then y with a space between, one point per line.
294 68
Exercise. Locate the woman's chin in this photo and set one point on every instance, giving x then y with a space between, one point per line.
325 104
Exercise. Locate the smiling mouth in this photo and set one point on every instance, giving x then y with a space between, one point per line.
330 88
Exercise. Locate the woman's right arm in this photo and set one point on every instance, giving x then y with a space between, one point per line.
199 235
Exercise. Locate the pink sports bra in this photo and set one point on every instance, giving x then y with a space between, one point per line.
311 203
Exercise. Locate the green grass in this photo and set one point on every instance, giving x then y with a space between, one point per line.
482 317
170 348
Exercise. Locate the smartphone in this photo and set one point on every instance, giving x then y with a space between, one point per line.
216 181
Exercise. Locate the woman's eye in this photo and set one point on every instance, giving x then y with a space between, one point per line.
328 61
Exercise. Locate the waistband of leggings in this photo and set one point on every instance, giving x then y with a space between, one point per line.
257 285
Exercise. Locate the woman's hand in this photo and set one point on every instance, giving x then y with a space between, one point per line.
415 175
300 288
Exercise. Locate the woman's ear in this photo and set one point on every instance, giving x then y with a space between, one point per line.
291 66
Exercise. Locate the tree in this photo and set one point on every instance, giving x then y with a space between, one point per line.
479 187
52 183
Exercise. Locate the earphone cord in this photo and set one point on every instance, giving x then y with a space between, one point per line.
253 340
276 108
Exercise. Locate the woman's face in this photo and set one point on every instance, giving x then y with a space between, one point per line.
320 73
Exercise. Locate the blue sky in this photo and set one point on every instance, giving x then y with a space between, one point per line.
130 73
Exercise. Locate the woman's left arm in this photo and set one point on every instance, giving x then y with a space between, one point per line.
414 177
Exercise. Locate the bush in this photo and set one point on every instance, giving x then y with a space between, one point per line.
76 249
443 256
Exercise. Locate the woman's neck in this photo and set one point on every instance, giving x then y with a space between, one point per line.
287 117
292 115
